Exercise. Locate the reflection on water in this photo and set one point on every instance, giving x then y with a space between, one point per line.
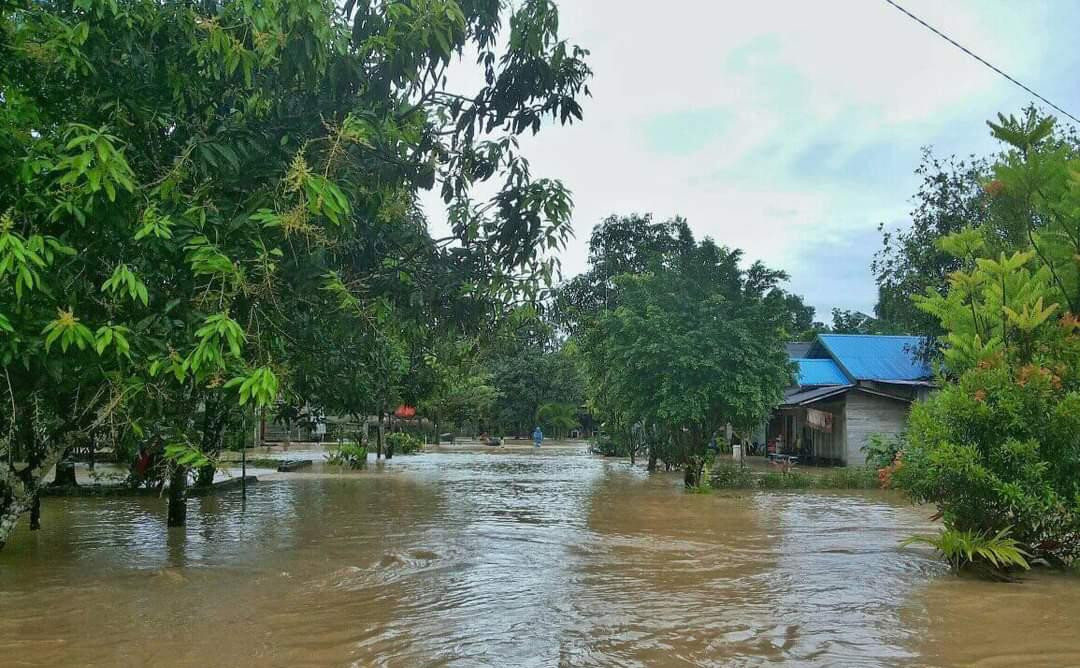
507 559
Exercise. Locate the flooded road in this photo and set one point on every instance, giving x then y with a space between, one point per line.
509 559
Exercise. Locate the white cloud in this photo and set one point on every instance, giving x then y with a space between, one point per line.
820 111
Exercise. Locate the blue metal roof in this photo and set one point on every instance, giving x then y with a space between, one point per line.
877 357
819 372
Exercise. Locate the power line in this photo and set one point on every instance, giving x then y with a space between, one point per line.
976 57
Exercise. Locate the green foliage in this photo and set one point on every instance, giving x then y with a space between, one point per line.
995 448
726 475
693 344
528 369
608 447
998 552
404 443
557 418
881 449
179 180
350 454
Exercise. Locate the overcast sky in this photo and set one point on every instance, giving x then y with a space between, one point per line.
790 129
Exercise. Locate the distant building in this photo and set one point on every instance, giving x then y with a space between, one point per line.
849 387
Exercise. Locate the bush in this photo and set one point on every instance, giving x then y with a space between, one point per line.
607 447
993 554
855 477
730 476
351 455
790 480
404 443
996 451
882 449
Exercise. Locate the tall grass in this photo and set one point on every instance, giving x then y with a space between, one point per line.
730 476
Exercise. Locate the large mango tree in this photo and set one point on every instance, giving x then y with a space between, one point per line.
182 184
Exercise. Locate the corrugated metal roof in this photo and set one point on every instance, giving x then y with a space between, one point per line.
877 357
803 397
819 372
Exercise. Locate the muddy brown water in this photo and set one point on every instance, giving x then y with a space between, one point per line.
510 559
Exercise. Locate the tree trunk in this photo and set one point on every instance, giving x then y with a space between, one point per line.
10 513
178 497
652 458
379 437
18 490
35 513
204 477
692 473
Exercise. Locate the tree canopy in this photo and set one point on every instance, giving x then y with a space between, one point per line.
995 449
694 342
190 193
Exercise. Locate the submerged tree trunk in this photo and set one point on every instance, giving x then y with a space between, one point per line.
10 512
694 467
379 437
18 488
651 449
35 513
204 477
215 417
178 497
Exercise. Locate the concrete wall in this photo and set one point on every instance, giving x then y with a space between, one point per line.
871 414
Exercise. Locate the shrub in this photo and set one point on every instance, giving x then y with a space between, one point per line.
351 455
789 480
997 450
994 554
730 476
608 447
882 449
854 477
404 443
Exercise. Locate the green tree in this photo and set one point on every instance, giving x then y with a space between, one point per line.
690 348
529 367
557 418
995 448
184 185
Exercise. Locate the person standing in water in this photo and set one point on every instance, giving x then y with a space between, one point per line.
538 437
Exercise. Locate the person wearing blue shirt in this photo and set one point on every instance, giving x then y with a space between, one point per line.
538 437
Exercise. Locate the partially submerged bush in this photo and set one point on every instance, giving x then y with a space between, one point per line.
852 477
993 554
998 449
349 455
404 443
607 447
881 450
730 476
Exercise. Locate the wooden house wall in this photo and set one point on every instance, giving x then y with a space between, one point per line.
869 414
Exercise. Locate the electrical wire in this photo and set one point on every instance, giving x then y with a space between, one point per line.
976 57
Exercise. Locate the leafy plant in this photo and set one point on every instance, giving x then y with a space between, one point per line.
403 443
732 476
349 454
995 553
995 448
881 450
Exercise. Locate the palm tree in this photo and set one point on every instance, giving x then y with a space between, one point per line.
557 417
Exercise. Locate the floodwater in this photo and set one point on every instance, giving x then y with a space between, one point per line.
549 558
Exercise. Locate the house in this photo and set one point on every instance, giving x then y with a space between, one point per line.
848 387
